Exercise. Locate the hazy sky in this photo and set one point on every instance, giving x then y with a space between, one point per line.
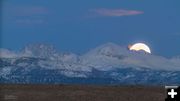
79 25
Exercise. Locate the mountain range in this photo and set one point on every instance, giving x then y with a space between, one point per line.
110 64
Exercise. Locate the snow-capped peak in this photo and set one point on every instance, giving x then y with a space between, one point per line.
110 56
108 49
40 50
105 57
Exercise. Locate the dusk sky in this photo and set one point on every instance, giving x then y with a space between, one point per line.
80 25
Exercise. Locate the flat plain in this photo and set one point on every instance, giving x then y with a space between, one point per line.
80 93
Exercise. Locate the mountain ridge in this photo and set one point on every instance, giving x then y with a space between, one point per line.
42 64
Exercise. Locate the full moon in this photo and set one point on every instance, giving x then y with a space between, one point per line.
139 47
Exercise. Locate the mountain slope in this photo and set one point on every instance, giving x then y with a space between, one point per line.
106 64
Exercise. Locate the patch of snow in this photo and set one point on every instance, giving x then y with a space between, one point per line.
73 74
5 71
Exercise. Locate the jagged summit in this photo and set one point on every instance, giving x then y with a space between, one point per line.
40 50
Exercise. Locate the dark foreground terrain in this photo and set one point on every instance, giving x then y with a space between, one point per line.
80 93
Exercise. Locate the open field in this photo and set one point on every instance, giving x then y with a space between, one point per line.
80 93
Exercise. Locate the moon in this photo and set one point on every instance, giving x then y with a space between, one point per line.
140 46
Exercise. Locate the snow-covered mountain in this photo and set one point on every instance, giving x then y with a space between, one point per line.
106 64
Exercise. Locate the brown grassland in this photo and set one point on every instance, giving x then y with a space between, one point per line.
80 93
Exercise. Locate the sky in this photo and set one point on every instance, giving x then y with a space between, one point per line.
80 25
